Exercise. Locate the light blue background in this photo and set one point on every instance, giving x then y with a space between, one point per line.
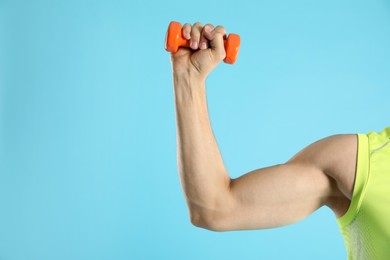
88 156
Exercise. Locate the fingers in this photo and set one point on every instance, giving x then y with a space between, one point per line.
204 41
187 31
203 37
211 33
195 35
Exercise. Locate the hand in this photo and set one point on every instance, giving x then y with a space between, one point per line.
206 52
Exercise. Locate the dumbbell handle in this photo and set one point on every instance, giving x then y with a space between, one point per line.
174 40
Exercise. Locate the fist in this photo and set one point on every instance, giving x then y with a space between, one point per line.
204 52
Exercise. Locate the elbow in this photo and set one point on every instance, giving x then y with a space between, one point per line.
216 224
200 221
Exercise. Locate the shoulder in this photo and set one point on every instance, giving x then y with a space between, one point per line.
336 157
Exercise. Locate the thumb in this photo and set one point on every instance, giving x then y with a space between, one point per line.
216 37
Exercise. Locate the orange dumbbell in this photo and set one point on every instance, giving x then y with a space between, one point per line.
174 39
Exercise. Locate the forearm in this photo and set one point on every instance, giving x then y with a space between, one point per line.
203 175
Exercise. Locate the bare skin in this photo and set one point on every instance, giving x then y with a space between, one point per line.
322 174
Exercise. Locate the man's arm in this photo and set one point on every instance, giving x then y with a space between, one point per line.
274 196
321 174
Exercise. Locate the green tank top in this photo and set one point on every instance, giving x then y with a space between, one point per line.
366 225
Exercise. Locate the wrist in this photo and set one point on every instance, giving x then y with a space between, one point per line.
188 80
190 74
188 88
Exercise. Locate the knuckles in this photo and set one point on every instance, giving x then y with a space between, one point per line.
198 24
198 34
220 29
198 29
